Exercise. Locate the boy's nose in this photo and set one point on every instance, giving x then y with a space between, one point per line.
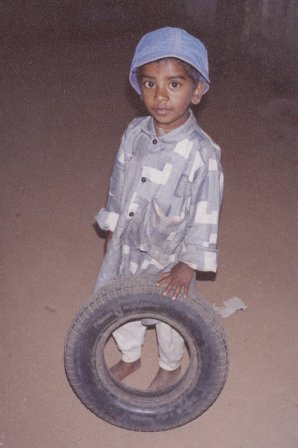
161 93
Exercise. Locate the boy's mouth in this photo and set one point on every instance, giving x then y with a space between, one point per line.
161 110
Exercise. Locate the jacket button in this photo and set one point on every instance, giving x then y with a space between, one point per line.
131 214
143 179
154 141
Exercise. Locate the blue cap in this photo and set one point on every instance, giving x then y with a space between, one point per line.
166 43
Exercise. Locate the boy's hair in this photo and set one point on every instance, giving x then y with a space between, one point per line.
191 71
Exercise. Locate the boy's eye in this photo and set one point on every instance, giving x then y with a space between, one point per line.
175 84
148 84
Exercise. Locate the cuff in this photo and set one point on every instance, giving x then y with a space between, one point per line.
107 220
199 259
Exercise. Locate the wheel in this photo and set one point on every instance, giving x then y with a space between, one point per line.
133 298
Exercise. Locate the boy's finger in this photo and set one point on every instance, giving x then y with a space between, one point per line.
163 283
168 288
161 280
178 290
164 277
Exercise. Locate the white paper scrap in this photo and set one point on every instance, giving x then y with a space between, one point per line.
230 306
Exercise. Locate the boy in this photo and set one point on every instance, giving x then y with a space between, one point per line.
165 192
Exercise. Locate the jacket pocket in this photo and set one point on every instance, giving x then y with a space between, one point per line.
160 235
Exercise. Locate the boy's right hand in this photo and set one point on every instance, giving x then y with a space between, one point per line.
109 235
177 281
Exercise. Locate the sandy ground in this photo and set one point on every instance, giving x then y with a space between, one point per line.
64 107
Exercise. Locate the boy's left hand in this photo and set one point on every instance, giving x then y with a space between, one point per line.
177 280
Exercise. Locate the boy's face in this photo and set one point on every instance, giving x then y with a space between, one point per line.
167 92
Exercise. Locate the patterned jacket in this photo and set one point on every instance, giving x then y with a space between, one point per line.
163 203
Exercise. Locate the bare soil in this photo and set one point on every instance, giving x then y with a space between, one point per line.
65 105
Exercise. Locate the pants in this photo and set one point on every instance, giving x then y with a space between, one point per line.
130 338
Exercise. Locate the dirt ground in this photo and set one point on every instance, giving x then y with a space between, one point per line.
65 105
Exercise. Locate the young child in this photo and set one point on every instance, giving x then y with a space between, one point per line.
165 191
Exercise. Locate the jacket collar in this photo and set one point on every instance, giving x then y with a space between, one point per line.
147 126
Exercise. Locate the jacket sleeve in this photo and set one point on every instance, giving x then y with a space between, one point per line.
199 247
107 217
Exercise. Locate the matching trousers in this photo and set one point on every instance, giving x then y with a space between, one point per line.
130 338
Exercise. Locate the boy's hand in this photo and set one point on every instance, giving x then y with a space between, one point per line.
177 280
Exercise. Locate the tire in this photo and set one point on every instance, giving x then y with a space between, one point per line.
136 298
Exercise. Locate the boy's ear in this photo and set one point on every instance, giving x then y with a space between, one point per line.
198 93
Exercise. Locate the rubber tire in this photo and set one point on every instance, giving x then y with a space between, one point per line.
134 298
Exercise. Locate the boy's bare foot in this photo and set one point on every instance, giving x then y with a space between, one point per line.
122 369
164 378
